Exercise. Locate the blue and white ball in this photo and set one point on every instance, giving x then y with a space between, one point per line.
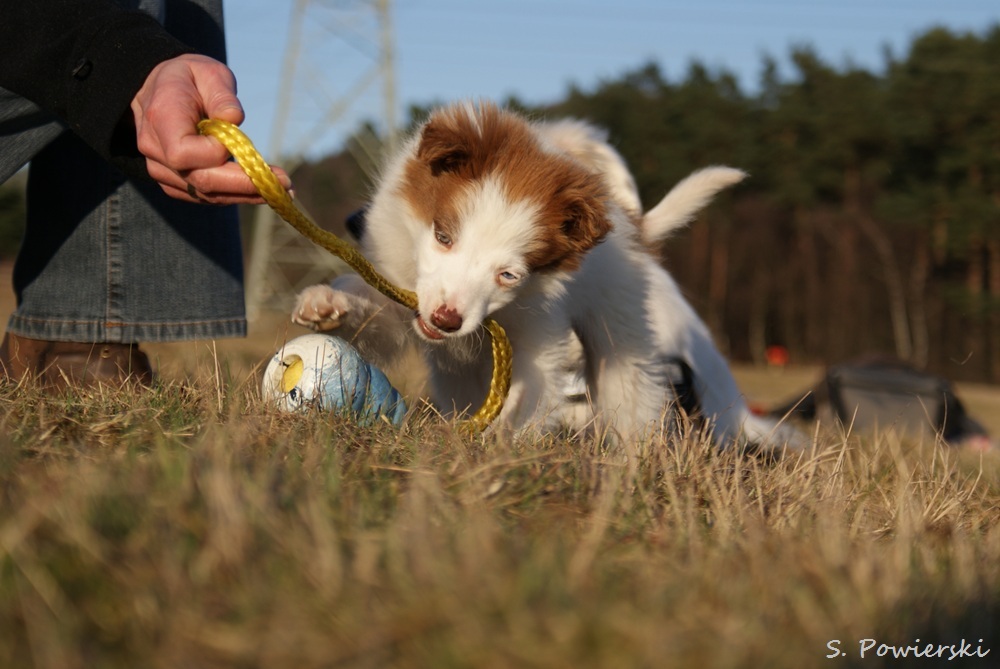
326 373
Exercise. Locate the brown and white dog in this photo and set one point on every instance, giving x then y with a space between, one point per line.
538 225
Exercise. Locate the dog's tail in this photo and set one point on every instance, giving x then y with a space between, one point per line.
685 200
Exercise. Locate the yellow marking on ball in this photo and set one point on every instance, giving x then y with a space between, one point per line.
292 374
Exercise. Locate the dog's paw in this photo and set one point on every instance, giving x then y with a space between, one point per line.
321 308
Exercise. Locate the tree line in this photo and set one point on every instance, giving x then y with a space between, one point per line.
870 223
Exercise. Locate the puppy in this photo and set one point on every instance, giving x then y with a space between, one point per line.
538 225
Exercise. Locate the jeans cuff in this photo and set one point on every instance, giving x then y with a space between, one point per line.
90 331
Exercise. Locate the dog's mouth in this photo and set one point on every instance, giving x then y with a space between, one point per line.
427 330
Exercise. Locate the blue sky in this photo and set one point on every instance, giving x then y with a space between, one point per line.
535 49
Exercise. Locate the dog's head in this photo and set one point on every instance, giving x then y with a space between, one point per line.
498 208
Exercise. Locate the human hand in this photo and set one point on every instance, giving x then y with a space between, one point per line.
189 166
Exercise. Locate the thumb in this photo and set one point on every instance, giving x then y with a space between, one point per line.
225 107
218 91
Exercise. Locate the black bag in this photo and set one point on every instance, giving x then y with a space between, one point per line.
886 394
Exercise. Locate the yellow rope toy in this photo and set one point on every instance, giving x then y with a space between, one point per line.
242 149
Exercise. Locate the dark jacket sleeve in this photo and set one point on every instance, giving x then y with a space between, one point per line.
84 61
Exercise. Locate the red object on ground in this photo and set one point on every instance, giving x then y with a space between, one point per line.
776 356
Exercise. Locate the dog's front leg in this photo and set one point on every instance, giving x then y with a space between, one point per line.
378 327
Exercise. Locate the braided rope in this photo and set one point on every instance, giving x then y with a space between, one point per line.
242 149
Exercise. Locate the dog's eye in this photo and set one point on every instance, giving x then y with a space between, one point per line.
442 238
508 278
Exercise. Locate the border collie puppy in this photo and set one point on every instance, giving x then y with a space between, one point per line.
539 226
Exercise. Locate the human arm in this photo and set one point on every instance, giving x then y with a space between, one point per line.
96 66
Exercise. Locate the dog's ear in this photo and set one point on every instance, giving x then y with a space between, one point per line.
584 213
443 147
576 220
583 228
357 222
585 223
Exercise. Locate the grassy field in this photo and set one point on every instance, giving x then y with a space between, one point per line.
192 527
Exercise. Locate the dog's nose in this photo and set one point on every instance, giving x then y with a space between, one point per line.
446 319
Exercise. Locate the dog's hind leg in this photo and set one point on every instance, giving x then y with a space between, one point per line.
724 406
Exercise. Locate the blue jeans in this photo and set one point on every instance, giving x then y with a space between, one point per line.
105 259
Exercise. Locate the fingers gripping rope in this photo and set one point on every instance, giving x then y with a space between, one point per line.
266 182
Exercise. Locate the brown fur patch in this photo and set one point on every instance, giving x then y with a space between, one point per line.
457 148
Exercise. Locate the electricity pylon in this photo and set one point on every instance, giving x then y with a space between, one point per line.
337 51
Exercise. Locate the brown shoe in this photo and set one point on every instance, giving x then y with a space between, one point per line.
59 364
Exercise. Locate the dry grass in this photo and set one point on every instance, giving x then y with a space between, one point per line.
191 527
